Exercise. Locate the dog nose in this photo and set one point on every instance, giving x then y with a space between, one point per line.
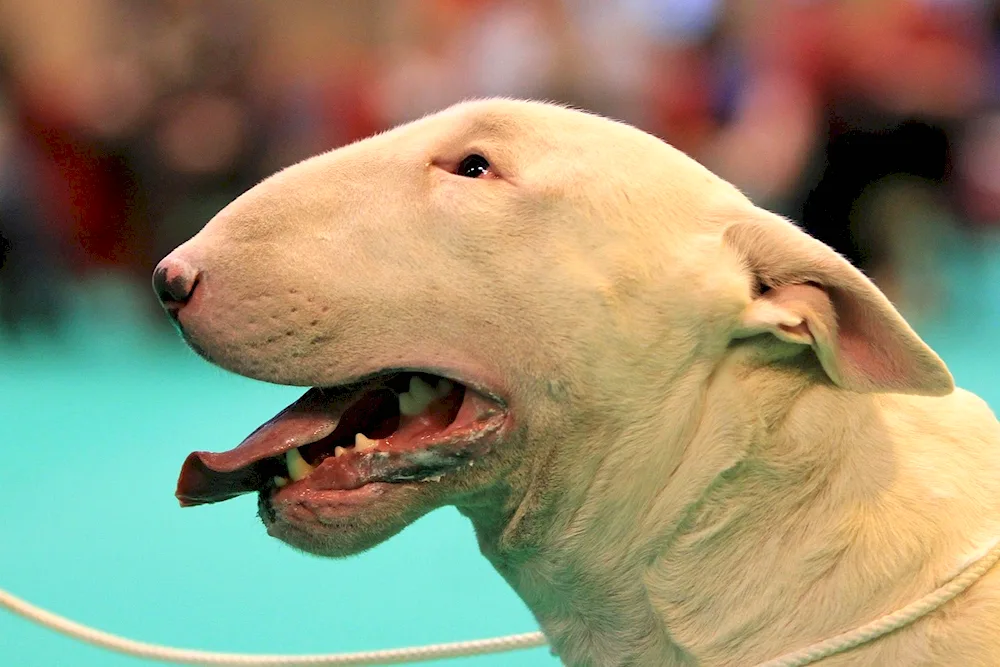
174 281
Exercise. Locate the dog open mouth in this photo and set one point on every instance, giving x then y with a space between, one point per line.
398 427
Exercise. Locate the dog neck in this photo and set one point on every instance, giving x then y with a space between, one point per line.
559 542
728 512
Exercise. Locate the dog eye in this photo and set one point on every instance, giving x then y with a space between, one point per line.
473 166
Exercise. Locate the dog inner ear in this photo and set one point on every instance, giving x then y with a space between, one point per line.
809 295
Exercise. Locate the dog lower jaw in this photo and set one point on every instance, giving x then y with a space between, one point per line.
337 524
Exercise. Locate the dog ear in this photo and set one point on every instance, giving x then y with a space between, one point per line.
810 295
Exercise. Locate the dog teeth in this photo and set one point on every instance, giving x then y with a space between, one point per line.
280 481
416 400
421 394
408 406
338 452
297 466
363 443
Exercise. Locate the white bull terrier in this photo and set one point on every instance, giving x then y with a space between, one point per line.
685 432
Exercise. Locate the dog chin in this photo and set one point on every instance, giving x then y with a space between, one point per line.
336 533
337 541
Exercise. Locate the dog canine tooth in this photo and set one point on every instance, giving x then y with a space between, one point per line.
297 466
362 443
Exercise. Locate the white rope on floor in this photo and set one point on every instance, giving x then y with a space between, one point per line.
807 656
187 657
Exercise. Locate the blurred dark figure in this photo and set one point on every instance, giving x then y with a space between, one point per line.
864 151
848 118
197 145
978 165
30 275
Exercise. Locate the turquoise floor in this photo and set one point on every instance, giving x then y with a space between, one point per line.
94 428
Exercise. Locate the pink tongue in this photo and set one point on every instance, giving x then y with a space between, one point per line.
211 478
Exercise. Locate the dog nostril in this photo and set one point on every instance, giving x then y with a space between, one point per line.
174 281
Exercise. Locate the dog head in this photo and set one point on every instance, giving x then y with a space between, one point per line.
482 295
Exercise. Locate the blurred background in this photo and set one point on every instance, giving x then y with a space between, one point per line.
126 124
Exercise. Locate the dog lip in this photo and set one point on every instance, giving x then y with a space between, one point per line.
208 477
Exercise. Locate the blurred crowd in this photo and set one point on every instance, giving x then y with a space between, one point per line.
126 124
